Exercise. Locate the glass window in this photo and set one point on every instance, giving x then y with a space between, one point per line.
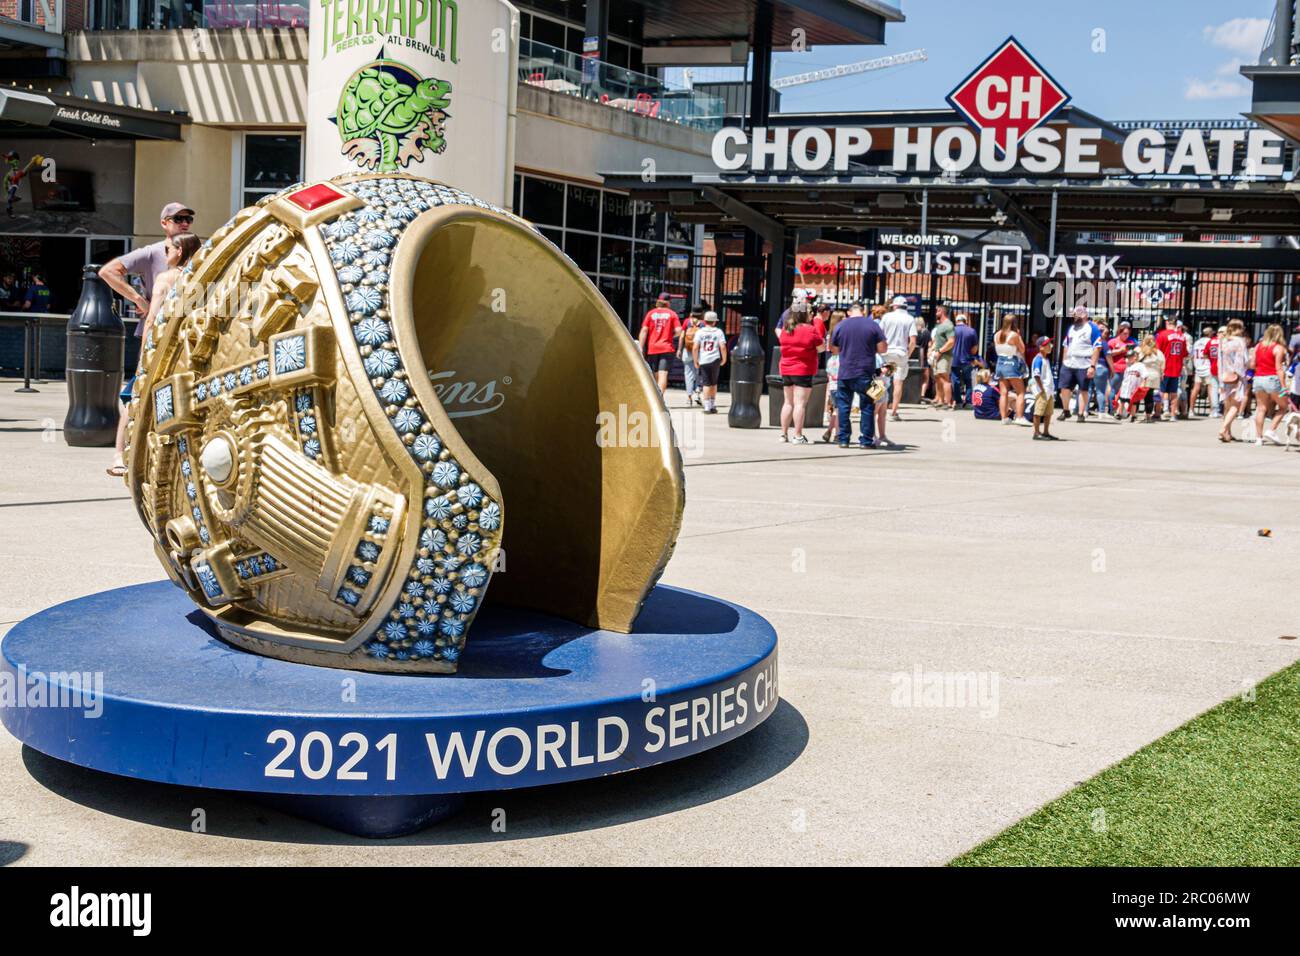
573 40
649 224
615 255
548 32
615 290
679 232
617 219
271 162
617 55
515 201
584 209
625 20
543 201
567 9
555 235
105 250
581 248
635 60
649 263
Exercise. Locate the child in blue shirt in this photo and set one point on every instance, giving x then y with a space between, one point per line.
1042 390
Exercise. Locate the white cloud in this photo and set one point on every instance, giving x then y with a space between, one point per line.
1241 35
1216 89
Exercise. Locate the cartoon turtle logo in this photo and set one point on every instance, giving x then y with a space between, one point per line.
388 115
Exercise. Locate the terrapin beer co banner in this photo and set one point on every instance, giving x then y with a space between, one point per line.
1006 100
414 86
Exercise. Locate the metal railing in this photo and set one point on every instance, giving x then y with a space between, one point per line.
31 323
1269 55
196 14
569 74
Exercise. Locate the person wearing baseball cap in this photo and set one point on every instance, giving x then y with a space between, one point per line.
710 352
147 262
659 339
899 326
1042 390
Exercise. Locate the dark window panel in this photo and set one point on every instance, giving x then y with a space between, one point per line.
548 32
582 249
584 209
649 224
272 162
618 215
680 232
617 55
543 201
615 290
615 255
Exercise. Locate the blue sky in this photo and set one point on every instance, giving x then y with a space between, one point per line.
1163 59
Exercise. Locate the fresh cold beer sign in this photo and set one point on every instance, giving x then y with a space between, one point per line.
1009 95
1008 102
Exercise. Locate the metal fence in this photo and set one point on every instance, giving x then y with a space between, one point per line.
1143 296
720 281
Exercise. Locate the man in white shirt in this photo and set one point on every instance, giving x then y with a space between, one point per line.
710 353
1082 351
1201 368
899 327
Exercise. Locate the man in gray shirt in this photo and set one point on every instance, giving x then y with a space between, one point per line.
147 261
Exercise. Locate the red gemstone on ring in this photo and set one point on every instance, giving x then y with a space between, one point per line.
313 197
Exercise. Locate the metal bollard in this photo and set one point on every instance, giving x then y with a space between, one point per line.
94 365
28 323
746 377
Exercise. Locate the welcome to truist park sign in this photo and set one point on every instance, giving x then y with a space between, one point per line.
1007 100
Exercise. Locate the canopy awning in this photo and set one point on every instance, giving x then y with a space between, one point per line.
25 112
881 201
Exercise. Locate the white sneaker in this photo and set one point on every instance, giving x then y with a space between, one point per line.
1271 437
1008 421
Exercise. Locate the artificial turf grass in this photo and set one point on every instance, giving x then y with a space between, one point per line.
1221 790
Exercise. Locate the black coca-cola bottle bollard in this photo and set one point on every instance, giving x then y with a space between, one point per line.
746 376
94 365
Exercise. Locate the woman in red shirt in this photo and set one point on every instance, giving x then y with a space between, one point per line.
800 343
1270 361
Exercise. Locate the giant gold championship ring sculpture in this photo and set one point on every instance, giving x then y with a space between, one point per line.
300 450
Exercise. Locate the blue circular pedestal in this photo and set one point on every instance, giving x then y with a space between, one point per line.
135 682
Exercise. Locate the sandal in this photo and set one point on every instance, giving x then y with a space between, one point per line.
116 471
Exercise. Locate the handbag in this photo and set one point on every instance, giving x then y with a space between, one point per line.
876 390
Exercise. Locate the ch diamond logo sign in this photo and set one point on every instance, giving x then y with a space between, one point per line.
1010 94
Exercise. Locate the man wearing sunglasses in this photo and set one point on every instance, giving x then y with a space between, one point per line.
147 261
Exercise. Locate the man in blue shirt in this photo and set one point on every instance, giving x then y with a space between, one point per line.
857 340
38 296
964 342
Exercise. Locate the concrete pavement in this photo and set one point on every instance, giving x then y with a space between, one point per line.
1100 591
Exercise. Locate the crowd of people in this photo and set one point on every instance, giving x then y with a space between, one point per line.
1102 373
31 296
